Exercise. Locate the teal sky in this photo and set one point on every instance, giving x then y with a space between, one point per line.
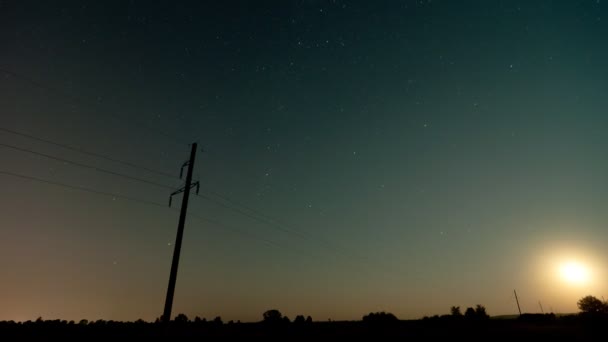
401 156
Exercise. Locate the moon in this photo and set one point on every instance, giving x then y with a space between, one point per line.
574 273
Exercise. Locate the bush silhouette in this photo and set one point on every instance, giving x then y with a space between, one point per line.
380 317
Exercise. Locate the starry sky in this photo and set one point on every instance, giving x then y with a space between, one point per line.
356 156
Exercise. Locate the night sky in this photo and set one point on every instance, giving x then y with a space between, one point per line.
359 156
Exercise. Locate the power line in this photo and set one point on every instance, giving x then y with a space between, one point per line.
281 225
142 124
261 217
251 236
141 201
238 204
272 223
29 80
236 230
333 249
82 151
240 174
89 190
265 219
253 217
155 204
86 166
252 175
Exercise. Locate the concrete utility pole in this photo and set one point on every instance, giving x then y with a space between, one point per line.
180 230
517 301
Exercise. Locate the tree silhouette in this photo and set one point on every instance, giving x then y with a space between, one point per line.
477 313
379 317
592 305
455 311
480 312
273 316
181 318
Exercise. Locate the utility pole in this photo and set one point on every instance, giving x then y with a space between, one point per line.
541 307
180 230
517 301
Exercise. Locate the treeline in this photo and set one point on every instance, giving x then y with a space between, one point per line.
374 326
473 324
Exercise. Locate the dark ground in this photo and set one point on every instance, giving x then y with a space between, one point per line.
549 328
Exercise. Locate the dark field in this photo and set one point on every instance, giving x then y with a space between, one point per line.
546 328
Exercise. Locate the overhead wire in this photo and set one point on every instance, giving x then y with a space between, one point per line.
87 166
280 227
142 201
235 230
260 217
251 236
80 188
334 249
111 114
252 214
89 153
267 219
234 206
253 217
151 203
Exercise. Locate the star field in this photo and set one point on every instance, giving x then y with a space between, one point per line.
357 156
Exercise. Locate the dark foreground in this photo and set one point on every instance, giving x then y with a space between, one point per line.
574 328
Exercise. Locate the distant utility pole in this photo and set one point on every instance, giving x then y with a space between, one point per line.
517 301
541 307
180 230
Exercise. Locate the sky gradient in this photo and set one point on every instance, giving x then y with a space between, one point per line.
407 156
